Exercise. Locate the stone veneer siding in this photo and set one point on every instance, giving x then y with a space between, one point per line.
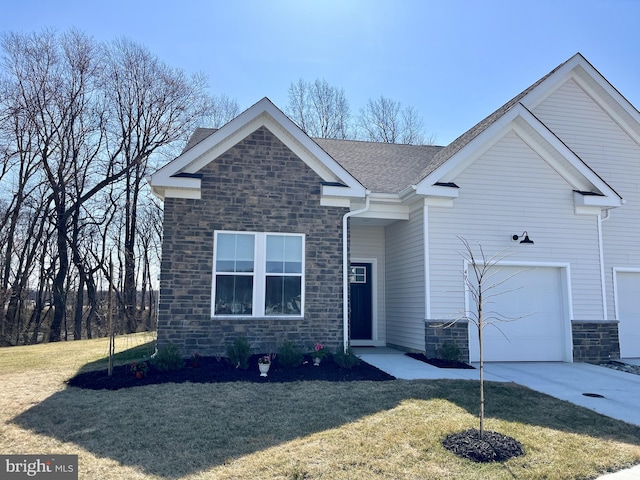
259 185
436 334
592 341
595 341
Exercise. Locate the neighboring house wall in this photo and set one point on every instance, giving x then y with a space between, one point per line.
369 243
259 185
405 282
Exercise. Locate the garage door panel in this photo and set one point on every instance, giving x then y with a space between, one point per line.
532 301
628 296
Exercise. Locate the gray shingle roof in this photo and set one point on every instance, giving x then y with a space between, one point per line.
197 136
381 167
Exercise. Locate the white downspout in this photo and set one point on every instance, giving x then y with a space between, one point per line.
345 268
605 315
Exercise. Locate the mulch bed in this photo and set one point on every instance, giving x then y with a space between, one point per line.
213 370
493 447
438 362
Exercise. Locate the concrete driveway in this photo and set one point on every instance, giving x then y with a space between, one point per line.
610 392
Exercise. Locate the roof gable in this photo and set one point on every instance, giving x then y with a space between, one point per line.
516 114
179 177
593 190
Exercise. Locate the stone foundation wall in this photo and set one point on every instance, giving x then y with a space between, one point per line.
436 334
595 341
257 186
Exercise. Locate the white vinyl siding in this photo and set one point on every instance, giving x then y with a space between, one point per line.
405 281
589 131
369 243
506 191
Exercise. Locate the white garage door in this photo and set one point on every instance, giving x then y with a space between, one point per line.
535 298
628 295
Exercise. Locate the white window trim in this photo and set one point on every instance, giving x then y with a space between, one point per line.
259 275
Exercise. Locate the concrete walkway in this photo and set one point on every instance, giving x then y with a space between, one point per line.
616 392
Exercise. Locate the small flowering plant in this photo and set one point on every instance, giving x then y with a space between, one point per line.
139 369
264 360
196 360
319 351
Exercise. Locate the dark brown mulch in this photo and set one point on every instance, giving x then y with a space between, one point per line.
438 362
493 447
212 370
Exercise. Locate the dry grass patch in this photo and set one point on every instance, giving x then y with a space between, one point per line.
306 430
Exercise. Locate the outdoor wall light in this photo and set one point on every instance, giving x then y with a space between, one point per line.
526 238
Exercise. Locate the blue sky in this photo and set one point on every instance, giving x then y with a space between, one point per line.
455 61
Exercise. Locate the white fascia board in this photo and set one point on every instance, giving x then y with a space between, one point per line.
264 113
335 202
340 191
587 210
387 211
182 193
469 153
580 199
440 191
169 187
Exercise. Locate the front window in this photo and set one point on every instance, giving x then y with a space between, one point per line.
258 274
234 274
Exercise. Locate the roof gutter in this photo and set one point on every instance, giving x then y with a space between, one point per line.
345 267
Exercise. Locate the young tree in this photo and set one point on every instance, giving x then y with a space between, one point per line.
483 285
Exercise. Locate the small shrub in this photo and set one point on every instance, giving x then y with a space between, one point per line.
290 355
168 359
346 360
239 353
449 351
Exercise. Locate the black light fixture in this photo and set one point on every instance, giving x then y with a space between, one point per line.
526 238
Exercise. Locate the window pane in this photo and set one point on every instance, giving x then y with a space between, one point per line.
293 255
234 252
284 254
234 295
275 254
283 296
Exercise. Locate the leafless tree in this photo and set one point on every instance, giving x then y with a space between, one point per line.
223 110
483 285
384 120
80 124
320 110
150 106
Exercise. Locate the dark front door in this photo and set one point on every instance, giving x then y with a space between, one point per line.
361 302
